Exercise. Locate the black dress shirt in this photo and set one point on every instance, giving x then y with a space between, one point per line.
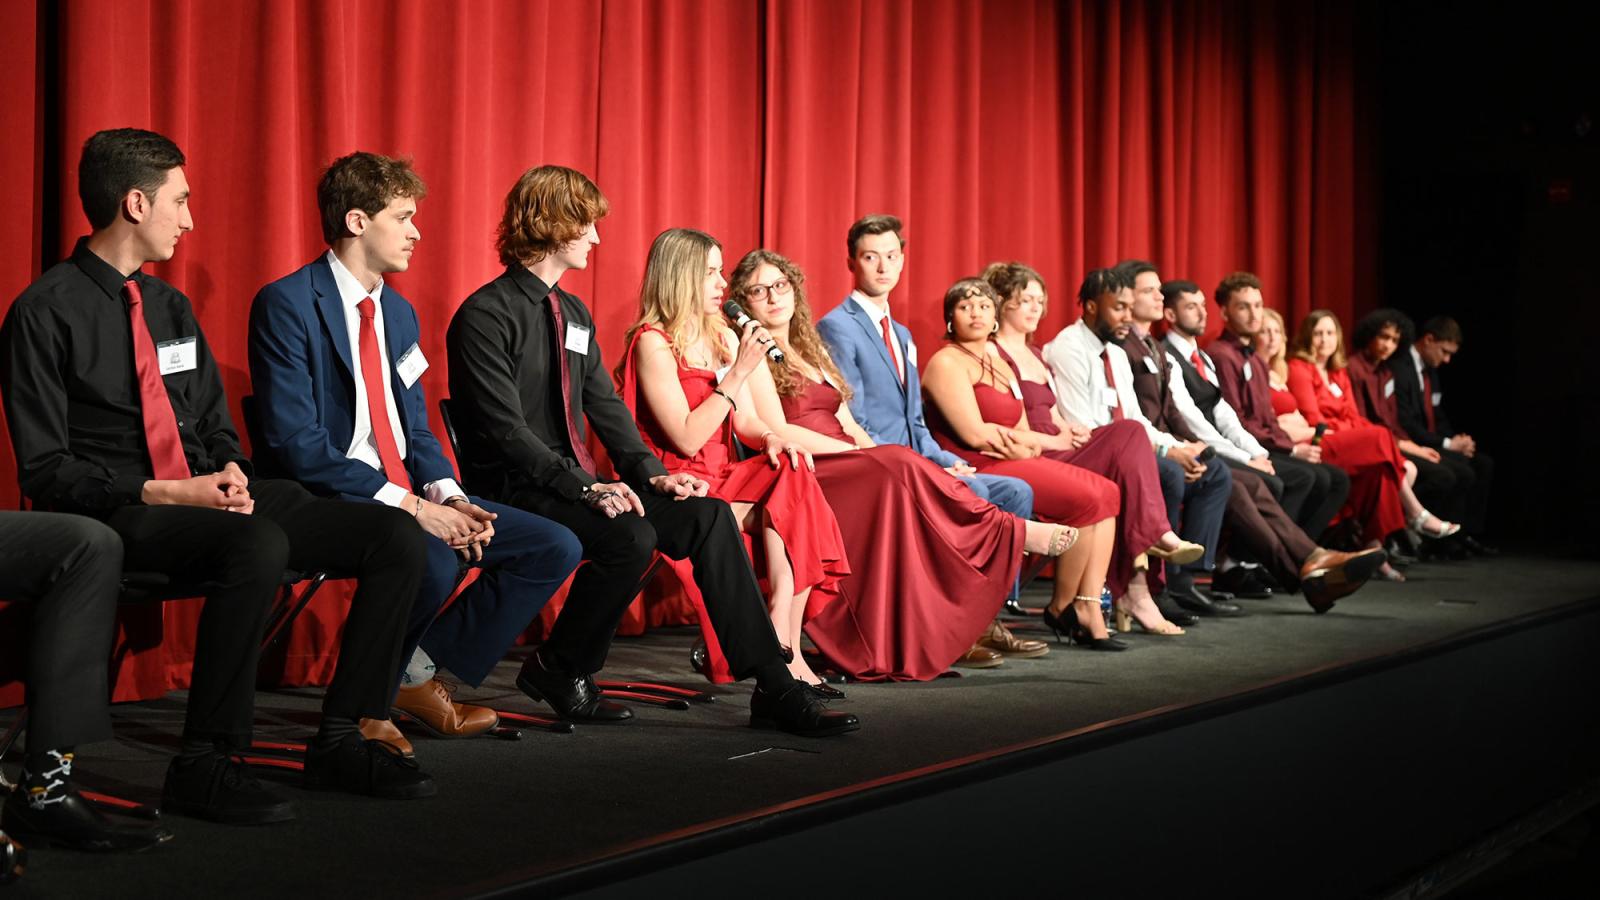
505 394
72 395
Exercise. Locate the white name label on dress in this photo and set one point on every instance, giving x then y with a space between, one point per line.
1110 395
1150 363
1246 371
1438 396
577 339
1388 388
177 356
411 365
1334 389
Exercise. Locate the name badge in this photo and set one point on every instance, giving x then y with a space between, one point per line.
177 356
577 339
1334 389
1246 371
1150 363
1016 389
1110 395
911 354
411 365
1388 388
1438 397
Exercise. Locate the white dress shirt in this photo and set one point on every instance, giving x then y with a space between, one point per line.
878 314
1079 378
1228 437
363 445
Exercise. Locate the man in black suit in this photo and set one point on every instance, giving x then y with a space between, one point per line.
525 378
1419 396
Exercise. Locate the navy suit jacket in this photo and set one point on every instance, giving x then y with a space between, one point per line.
890 412
300 363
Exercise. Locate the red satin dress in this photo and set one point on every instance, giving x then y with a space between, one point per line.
1121 452
791 498
930 562
1365 451
1062 493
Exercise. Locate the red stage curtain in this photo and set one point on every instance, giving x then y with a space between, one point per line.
1207 136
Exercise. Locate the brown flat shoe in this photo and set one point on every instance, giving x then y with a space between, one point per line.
979 658
1000 639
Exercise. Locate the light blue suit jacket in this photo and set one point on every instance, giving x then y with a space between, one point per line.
890 412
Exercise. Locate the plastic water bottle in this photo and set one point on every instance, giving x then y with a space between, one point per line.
1105 606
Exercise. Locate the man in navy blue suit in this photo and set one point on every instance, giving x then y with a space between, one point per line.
337 366
878 358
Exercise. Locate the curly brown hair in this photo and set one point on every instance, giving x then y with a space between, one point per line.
364 181
804 341
548 207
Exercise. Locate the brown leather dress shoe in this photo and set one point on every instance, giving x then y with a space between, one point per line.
1000 639
384 730
979 657
1328 575
429 705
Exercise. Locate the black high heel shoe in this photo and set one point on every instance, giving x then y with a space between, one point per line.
1075 632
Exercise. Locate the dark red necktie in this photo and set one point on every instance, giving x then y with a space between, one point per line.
1200 365
161 436
1111 382
394 468
888 344
1427 400
580 451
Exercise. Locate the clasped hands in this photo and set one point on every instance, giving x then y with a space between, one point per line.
1008 443
227 490
464 525
615 498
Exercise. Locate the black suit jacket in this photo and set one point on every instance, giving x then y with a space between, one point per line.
506 395
1410 400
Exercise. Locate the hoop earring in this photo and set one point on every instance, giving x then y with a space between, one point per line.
949 328
995 329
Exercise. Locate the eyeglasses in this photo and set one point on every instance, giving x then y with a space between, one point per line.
758 292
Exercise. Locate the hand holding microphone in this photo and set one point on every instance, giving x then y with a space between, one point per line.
742 320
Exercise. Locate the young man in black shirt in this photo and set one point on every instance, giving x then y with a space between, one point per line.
525 377
116 411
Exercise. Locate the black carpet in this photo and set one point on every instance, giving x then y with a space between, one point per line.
547 802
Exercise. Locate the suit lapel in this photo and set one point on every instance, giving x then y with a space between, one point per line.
331 310
875 338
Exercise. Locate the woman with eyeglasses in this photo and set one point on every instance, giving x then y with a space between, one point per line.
931 563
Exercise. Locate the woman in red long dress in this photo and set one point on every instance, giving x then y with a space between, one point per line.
1381 498
930 562
686 375
973 412
1120 451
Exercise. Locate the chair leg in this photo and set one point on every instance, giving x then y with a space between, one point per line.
289 611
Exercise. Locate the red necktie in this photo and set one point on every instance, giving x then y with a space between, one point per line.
1200 365
161 437
394 468
580 450
1427 400
888 344
1111 382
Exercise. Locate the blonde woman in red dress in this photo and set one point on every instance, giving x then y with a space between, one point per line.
686 374
931 562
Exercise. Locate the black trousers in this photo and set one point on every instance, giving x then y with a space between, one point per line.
1260 528
619 551
242 558
1313 493
1456 488
70 568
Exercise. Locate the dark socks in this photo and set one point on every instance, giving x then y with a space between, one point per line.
333 731
193 750
774 678
47 776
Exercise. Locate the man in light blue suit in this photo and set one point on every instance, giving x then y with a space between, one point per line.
336 361
878 358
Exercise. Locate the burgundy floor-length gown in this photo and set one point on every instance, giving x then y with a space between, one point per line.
1366 452
791 497
930 562
1121 452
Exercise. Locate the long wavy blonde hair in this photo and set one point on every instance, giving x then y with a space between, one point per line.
1278 364
671 297
804 340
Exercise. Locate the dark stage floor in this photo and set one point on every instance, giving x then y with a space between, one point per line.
508 811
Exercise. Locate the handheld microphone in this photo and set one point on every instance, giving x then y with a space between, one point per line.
1207 454
1316 438
740 318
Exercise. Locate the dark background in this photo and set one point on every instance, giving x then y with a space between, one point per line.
1489 168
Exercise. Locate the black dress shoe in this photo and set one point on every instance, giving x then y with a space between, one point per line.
220 788
74 823
798 711
825 691
1196 601
573 697
1174 613
362 766
1477 547
1242 582
13 859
